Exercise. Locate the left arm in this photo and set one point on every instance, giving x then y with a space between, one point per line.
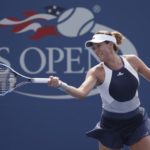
139 66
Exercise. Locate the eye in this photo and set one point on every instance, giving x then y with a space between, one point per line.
93 47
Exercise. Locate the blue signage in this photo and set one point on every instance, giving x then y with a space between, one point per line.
43 38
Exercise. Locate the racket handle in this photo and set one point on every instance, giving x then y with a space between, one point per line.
39 80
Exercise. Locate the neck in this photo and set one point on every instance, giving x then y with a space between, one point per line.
114 62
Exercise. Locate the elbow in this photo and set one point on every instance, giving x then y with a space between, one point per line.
78 93
82 96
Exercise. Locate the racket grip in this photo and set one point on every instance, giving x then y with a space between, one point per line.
39 80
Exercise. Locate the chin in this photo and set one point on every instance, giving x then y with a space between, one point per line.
101 59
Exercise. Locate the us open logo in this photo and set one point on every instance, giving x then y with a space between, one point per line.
52 43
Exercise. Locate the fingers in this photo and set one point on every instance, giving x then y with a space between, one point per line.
54 81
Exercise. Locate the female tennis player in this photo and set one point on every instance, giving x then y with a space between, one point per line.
123 120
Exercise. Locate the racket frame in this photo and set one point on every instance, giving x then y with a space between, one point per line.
27 81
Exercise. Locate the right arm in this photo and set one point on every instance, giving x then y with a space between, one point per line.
80 92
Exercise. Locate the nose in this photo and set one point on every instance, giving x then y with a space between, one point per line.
97 51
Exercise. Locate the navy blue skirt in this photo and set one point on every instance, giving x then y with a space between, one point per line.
115 130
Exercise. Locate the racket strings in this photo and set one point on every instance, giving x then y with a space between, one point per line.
7 79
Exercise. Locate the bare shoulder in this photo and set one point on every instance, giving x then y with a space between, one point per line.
131 57
97 72
97 68
134 60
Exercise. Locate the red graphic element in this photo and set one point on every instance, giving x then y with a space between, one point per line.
39 23
13 18
20 27
44 31
10 18
29 13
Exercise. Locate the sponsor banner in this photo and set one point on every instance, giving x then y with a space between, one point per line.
51 41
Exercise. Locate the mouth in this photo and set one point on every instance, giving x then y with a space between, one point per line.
100 54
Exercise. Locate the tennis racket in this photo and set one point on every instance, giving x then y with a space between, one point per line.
11 79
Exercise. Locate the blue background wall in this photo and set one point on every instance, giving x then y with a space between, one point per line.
44 123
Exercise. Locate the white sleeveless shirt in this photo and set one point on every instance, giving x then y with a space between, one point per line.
125 98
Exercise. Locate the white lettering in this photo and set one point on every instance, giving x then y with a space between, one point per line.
55 55
41 65
73 62
3 60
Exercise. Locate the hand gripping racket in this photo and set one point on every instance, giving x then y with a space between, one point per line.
11 79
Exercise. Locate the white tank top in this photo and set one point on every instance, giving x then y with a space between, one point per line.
119 91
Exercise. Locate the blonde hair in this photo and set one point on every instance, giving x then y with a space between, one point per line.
119 37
